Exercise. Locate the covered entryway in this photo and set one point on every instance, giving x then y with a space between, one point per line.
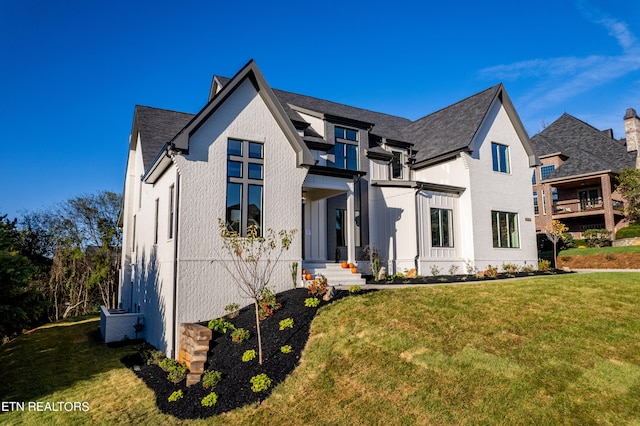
315 192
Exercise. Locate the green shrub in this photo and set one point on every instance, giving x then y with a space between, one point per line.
168 364
544 265
580 243
568 241
209 400
176 371
597 237
631 231
286 349
176 374
355 289
150 355
286 323
528 269
176 396
239 335
510 268
232 310
311 302
220 325
249 355
260 383
211 378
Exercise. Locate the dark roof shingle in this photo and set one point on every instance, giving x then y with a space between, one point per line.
452 128
587 148
157 127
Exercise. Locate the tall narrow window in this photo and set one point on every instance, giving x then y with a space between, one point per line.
245 175
505 229
155 221
441 228
396 165
172 192
345 149
500 157
536 208
133 235
341 228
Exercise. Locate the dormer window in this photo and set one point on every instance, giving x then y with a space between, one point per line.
346 148
397 165
348 134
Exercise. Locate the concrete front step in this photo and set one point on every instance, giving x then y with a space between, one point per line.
334 273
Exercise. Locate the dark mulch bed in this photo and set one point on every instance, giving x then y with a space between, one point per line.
234 390
443 279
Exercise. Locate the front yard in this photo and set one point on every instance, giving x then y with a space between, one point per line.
561 349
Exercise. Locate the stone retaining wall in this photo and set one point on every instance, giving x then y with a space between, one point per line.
623 242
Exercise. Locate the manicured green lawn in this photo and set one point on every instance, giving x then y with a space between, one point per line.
554 350
588 251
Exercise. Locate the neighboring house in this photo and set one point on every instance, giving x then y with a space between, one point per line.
450 190
576 180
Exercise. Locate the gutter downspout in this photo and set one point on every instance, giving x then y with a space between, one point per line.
175 266
418 234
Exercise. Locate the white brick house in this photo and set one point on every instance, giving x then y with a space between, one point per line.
452 188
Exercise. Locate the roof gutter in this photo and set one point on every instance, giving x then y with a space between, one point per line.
576 177
160 164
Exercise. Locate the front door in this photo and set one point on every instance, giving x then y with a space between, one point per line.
315 230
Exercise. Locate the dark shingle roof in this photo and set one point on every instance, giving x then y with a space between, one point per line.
157 127
384 125
587 148
448 130
452 128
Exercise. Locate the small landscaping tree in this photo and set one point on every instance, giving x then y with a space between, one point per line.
629 187
253 260
554 234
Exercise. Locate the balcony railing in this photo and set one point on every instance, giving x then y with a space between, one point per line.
592 205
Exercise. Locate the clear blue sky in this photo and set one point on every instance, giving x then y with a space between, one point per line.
72 71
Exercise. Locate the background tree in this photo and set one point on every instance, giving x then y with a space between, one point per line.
87 244
253 260
21 305
80 243
629 187
554 234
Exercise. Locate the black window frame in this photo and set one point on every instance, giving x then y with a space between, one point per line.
243 188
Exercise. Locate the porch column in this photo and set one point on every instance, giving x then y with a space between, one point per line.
351 221
609 221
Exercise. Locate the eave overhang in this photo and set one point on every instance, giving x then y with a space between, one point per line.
332 171
159 165
423 186
568 179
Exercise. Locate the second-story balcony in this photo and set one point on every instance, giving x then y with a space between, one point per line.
585 207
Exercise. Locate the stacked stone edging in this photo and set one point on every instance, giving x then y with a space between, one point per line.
624 242
194 345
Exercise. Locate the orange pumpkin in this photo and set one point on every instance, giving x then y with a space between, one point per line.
345 265
304 272
354 270
351 265
308 277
